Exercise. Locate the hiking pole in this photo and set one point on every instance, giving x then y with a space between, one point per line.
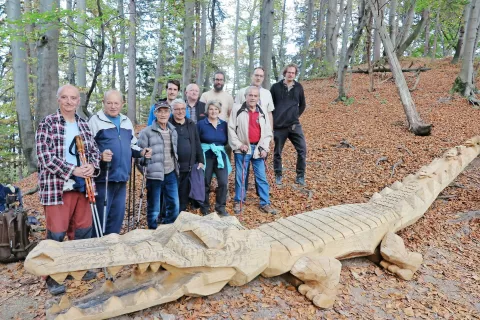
91 195
144 180
242 191
129 197
105 201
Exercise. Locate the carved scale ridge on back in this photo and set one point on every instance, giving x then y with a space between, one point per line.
197 256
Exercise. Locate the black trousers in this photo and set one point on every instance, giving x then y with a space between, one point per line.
295 135
183 190
221 191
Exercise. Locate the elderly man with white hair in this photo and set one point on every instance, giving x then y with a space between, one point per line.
195 108
189 149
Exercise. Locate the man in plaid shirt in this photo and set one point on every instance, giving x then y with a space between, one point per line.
60 175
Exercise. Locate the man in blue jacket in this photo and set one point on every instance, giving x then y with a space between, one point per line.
289 101
115 137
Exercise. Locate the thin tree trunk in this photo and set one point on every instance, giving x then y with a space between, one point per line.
81 56
406 24
281 48
236 78
376 39
274 67
213 32
433 53
343 63
98 63
203 45
121 50
266 39
157 86
32 54
368 50
363 18
392 22
426 47
251 41
416 125
330 35
306 40
132 57
71 48
188 43
418 29
47 49
114 64
319 36
20 78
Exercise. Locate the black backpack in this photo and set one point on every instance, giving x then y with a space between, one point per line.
14 232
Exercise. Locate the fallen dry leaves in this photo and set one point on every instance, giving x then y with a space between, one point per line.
446 286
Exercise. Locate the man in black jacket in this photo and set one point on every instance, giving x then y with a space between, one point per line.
195 107
189 149
289 101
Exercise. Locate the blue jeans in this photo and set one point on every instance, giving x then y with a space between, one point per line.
260 176
169 188
117 192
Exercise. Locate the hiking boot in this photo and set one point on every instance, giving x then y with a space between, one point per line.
204 211
278 179
237 208
54 287
268 209
300 180
89 275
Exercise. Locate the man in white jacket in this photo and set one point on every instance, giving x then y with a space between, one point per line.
249 135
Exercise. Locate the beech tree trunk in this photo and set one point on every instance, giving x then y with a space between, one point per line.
376 38
236 79
203 45
121 50
188 43
426 47
306 40
343 62
465 82
281 49
415 123
433 53
157 85
20 78
81 62
266 39
330 35
415 33
213 33
71 48
132 57
342 68
47 49
392 22
251 34
319 36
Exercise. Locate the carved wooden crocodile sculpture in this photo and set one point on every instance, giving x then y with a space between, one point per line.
197 255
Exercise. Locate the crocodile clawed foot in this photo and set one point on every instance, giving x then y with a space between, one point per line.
397 259
321 276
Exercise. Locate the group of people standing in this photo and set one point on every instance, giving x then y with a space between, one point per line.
185 144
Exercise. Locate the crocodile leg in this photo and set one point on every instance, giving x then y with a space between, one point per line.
321 276
397 259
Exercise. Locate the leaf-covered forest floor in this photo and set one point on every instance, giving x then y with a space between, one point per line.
345 142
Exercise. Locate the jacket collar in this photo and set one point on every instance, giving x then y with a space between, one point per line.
102 116
156 126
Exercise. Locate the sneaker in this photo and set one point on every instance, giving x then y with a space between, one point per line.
54 287
300 180
268 209
237 208
278 180
222 213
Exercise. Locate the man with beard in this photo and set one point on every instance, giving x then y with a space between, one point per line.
217 93
173 87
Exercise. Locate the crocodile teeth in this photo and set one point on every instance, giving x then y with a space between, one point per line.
142 267
78 275
65 303
72 313
397 185
140 297
114 270
59 277
113 304
154 266
152 293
